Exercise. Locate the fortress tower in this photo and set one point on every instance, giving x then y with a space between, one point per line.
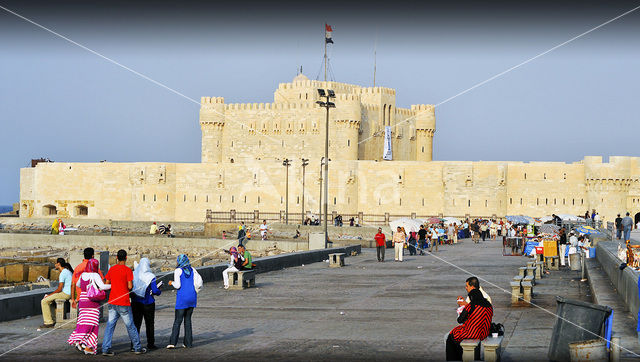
212 122
293 125
425 123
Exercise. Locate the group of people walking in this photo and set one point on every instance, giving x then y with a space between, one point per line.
131 298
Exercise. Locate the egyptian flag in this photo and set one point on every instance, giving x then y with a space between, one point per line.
327 34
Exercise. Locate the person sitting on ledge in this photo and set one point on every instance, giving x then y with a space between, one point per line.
475 319
235 264
247 264
62 292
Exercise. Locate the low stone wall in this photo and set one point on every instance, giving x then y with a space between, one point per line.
101 242
625 281
20 305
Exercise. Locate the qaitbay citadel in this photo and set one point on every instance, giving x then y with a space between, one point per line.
244 145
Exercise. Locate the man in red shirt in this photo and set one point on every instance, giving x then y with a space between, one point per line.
121 279
381 241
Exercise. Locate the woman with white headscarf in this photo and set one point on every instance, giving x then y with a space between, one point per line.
143 305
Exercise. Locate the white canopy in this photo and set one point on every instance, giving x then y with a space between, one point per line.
408 224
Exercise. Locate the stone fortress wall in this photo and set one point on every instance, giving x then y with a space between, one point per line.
243 146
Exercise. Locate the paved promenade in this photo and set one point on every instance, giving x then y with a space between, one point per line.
364 311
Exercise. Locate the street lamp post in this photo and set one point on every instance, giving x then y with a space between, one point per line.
328 95
286 163
320 199
305 162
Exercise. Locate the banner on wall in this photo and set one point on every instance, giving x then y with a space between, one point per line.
387 144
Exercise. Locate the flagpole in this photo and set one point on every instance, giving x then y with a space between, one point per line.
325 53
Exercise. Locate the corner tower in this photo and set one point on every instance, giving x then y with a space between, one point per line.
425 121
212 121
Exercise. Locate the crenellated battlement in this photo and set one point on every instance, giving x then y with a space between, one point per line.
349 123
404 112
269 106
348 97
211 100
422 107
377 90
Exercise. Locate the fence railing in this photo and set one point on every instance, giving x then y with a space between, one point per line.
257 216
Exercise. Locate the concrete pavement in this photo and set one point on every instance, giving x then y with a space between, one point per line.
364 311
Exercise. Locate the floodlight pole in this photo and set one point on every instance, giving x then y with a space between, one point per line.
328 95
305 162
286 163
326 175
320 199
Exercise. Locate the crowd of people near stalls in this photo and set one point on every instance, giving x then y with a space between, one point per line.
131 297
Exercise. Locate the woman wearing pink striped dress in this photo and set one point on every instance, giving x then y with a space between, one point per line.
85 336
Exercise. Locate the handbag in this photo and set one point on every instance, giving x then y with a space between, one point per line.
94 293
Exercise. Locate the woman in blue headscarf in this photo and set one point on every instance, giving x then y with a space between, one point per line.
188 282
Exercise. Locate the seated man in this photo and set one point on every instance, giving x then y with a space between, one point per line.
247 264
475 319
62 292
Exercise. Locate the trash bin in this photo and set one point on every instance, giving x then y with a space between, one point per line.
571 314
591 350
575 261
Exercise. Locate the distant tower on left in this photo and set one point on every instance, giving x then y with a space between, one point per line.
212 121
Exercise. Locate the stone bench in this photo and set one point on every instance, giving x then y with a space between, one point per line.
527 291
516 293
336 260
522 271
62 307
531 271
240 280
539 269
470 350
530 278
492 348
552 262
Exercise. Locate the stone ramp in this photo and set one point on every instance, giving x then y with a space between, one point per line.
624 324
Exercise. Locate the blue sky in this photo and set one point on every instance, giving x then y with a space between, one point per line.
62 102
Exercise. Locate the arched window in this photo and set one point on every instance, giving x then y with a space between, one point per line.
48 210
384 115
81 210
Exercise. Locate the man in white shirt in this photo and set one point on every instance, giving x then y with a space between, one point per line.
263 229
433 232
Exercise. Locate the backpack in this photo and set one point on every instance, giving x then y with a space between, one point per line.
497 328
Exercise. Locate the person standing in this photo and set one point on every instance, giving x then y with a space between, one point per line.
75 289
188 283
381 241
627 225
120 277
455 233
433 235
143 305
62 292
483 230
494 230
596 220
422 239
563 244
85 336
618 223
399 238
